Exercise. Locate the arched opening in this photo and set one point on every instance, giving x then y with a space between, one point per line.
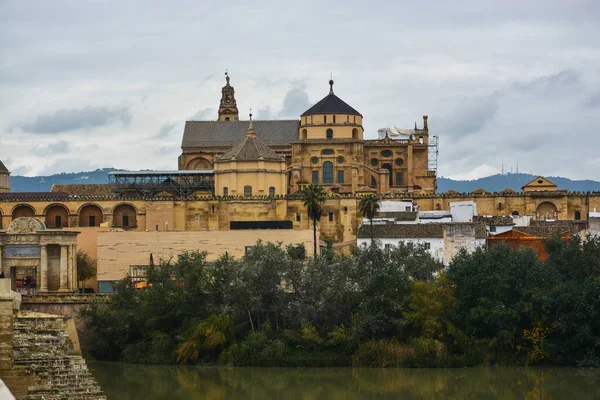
199 163
272 191
327 172
247 191
304 134
227 119
577 215
546 211
23 210
124 216
515 213
354 133
329 134
90 215
225 191
57 216
390 176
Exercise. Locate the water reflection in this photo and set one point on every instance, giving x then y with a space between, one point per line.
129 382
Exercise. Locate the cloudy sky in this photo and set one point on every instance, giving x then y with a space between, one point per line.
90 84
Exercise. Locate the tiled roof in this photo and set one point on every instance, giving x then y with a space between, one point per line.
331 104
96 189
398 215
250 148
495 220
3 167
227 133
552 228
33 196
402 231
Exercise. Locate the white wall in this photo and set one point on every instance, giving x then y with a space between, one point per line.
436 244
499 229
522 220
395 206
463 211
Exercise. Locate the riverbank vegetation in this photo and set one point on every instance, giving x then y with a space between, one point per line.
394 307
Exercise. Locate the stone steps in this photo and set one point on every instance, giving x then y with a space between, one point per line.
43 348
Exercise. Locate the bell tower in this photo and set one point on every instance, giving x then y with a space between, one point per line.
4 178
228 110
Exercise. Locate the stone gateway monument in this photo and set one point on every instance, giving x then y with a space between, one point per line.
36 259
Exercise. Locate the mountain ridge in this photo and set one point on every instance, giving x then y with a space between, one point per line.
492 183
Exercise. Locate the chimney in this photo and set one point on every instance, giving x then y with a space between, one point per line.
425 122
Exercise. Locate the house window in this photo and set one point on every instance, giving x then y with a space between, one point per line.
374 162
212 209
247 191
247 249
328 152
226 118
315 177
386 153
373 181
340 160
399 162
515 213
492 229
427 246
92 221
577 215
334 119
325 118
196 218
58 221
398 178
156 227
225 191
330 217
271 191
388 246
298 217
340 177
410 245
327 172
125 220
314 160
329 134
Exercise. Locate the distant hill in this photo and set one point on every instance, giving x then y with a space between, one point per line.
44 183
497 183
494 183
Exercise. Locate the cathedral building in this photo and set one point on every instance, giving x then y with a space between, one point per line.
326 146
4 178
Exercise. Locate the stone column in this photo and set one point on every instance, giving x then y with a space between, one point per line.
63 268
43 282
70 267
74 267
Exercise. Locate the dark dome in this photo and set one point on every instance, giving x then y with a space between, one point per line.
331 104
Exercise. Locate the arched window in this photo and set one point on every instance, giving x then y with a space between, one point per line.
354 133
390 176
304 134
247 191
515 213
225 191
577 215
329 134
327 172
226 118
272 191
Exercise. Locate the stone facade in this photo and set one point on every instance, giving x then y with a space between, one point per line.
27 247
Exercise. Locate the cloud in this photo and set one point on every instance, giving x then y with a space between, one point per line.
264 113
204 114
59 147
592 101
471 116
550 83
72 119
166 130
295 102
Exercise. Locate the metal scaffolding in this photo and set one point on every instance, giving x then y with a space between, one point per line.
150 183
432 153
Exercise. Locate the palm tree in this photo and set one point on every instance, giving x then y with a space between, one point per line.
313 197
368 207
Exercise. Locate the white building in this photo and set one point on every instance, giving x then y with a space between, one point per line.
442 241
463 211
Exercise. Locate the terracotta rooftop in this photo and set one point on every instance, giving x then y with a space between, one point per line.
96 189
33 196
495 220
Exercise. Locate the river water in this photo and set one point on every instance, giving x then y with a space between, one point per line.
154 382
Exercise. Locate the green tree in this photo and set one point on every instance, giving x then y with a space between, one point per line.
313 197
368 207
86 267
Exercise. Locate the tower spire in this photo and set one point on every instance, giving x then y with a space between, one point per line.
228 110
330 83
250 126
